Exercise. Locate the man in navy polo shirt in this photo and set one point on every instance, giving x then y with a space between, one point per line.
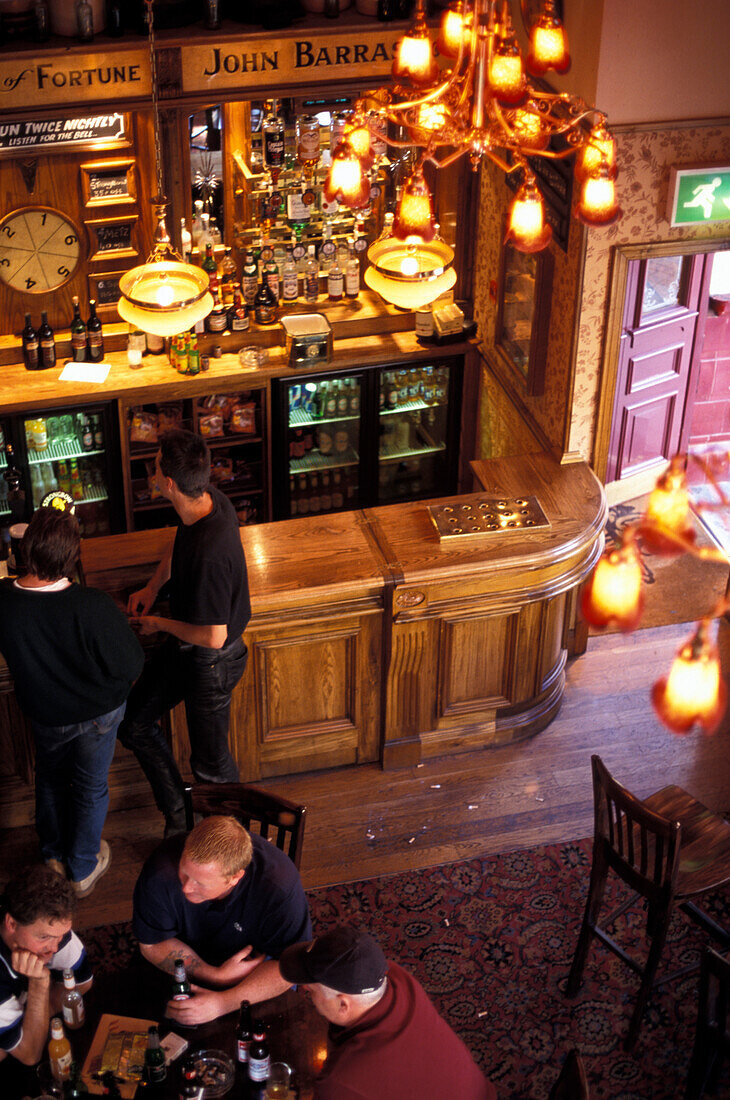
36 946
226 902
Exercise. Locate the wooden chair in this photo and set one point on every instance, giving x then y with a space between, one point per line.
712 1037
273 817
572 1083
668 848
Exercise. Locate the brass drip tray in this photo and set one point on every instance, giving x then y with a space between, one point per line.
487 516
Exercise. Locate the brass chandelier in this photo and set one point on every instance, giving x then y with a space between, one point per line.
484 105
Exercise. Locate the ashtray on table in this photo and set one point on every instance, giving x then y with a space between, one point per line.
216 1072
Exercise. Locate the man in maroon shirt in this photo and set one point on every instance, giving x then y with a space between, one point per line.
387 1040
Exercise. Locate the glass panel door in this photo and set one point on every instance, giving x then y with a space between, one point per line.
413 427
324 444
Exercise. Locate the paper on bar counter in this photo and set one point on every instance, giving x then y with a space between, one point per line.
85 372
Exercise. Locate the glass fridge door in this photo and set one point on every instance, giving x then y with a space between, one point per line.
68 450
413 459
323 438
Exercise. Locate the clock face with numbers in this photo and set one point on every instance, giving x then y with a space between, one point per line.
40 249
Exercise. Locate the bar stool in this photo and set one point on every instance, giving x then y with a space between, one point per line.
668 849
275 818
712 1037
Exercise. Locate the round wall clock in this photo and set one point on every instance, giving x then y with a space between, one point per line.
40 249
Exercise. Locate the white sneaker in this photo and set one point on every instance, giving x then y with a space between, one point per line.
86 885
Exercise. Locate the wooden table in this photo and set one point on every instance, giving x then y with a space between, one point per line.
297 1033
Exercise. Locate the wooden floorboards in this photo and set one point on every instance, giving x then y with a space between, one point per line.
362 821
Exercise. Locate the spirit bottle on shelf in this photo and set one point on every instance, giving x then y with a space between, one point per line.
218 316
335 282
41 21
274 143
208 263
289 277
271 275
47 343
338 119
308 144
327 249
78 334
311 285
250 279
205 236
352 273
114 20
84 21
94 335
186 242
227 275
31 346
197 226
238 320
212 15
265 305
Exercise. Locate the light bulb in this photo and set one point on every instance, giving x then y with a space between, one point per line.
409 266
164 294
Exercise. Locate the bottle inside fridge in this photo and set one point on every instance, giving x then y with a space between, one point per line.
324 444
414 422
67 452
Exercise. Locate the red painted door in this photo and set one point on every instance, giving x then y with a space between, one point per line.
658 332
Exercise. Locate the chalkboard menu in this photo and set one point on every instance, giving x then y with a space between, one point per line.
114 238
108 185
107 290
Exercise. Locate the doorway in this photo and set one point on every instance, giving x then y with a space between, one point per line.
660 303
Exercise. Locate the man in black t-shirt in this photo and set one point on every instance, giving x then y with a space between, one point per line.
204 657
226 902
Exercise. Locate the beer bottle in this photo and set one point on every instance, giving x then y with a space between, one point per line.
265 305
72 1003
78 334
259 1058
74 1088
190 1086
84 21
95 336
109 1086
31 346
243 1035
114 21
155 1069
180 985
59 1051
47 343
208 264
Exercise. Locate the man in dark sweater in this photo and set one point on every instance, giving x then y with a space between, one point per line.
204 656
387 1041
73 658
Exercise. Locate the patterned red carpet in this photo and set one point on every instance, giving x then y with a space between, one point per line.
492 940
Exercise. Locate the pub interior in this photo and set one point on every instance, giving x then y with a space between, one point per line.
388 414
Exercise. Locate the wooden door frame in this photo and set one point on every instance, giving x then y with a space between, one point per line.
623 255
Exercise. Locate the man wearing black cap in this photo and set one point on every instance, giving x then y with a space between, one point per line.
387 1040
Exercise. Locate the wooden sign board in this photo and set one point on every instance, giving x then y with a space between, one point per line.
112 237
108 183
76 78
108 131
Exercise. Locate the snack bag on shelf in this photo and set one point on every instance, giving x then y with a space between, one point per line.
221 469
169 417
243 418
154 492
211 425
143 428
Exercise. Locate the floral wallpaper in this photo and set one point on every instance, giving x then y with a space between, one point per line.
564 416
645 158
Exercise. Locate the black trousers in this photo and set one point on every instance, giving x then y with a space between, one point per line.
204 679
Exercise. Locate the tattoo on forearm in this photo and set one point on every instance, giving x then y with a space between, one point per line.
191 960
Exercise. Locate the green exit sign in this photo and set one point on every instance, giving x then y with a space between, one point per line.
699 195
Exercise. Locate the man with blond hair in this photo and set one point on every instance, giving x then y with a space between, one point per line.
226 902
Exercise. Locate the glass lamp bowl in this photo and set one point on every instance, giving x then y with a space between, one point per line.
164 297
410 273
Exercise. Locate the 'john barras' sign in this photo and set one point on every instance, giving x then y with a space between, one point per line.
60 133
281 61
87 78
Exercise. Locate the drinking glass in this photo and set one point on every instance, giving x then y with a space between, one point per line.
67 431
277 1086
136 344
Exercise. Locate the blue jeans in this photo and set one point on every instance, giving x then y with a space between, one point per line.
71 788
204 679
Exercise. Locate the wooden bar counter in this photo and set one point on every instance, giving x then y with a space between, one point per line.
371 639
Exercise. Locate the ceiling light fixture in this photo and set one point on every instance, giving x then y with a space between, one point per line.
485 106
163 296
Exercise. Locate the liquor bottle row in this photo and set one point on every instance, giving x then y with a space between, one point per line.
326 491
82 479
67 434
424 385
87 340
336 398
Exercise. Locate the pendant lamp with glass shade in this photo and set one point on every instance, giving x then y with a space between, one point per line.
163 296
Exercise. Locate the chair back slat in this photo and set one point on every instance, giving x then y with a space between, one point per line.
641 846
274 818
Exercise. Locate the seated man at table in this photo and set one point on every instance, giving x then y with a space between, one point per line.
226 902
387 1040
36 946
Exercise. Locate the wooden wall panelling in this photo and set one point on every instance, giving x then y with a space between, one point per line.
236 139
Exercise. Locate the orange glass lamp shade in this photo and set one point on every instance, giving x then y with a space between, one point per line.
452 30
529 128
548 44
597 204
527 229
414 62
615 593
358 137
506 72
346 181
694 692
415 216
667 522
598 150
